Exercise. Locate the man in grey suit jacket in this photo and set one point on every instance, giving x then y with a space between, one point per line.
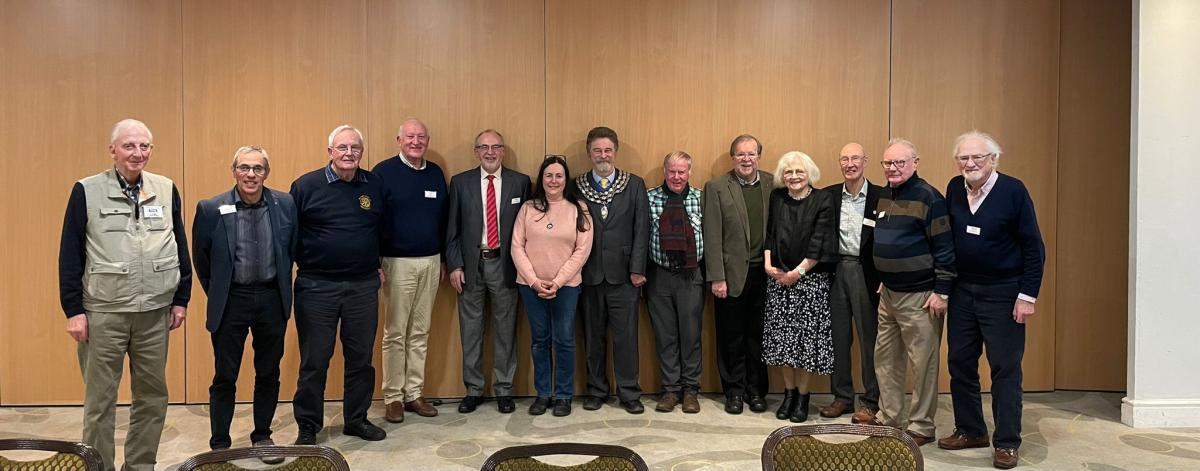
483 205
735 219
243 241
614 272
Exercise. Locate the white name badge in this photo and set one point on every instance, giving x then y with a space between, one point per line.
154 212
227 208
516 200
868 222
881 214
972 230
431 194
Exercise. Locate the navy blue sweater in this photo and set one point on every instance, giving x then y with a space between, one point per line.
914 250
1008 246
419 207
339 225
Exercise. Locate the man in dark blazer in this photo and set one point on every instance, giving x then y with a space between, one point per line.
243 241
854 296
614 272
484 202
735 221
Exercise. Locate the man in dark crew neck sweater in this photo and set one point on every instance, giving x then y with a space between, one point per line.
1000 258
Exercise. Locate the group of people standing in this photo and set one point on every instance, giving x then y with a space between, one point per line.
795 271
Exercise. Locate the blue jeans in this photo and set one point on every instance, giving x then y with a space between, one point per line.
552 319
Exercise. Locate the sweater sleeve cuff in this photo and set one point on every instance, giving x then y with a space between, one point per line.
1027 298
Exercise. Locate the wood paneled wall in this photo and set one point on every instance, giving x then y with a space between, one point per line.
809 75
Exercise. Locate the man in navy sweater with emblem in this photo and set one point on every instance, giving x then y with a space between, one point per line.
1000 258
340 209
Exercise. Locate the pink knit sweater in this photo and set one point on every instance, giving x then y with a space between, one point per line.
546 246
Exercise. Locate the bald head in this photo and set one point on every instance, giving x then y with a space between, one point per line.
414 140
852 161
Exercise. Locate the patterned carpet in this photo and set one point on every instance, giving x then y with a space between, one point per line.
1062 431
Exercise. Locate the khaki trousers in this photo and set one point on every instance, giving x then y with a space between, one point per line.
908 335
111 336
408 295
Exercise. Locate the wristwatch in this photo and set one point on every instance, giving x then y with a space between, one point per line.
800 270
944 296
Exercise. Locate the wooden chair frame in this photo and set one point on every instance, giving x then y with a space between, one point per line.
583 449
286 451
777 437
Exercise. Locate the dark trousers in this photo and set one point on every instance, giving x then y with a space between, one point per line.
981 316
256 309
611 307
851 308
676 303
320 305
552 326
739 322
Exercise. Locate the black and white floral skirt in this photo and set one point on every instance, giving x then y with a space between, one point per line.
797 331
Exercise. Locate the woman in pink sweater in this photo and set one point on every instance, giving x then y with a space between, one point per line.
551 240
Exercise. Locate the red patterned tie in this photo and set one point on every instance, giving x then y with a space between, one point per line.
493 229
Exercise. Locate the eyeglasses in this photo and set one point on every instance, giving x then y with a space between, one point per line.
246 169
130 147
493 147
897 164
745 155
345 149
977 158
858 159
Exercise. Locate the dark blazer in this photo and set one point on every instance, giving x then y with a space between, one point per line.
727 228
213 241
621 242
464 228
866 251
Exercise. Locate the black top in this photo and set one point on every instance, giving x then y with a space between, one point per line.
253 255
72 251
914 250
1001 242
800 229
339 224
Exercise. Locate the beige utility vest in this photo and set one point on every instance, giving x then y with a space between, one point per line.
132 259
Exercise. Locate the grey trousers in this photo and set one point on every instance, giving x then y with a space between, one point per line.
851 310
676 302
611 307
489 283
112 336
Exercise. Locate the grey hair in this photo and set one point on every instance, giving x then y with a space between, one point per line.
678 155
127 124
485 131
243 150
904 142
345 127
988 141
794 157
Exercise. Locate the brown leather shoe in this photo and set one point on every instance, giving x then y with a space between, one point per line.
395 412
667 402
920 439
1005 458
865 415
960 441
421 407
836 409
691 403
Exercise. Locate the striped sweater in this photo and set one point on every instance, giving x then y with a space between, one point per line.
914 249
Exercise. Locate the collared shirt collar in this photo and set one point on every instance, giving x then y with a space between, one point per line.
684 194
124 184
744 182
237 199
483 174
862 191
987 185
424 163
611 178
330 177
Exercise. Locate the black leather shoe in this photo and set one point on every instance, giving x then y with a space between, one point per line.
469 404
758 404
539 406
506 404
800 412
633 407
733 404
562 407
365 430
790 398
307 436
592 403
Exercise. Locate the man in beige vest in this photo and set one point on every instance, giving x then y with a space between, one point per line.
124 283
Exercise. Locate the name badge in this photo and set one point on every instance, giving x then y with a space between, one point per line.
516 200
226 209
431 194
152 212
972 230
868 222
881 214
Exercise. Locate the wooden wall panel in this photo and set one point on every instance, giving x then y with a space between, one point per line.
269 74
991 66
71 71
692 75
461 67
1093 155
